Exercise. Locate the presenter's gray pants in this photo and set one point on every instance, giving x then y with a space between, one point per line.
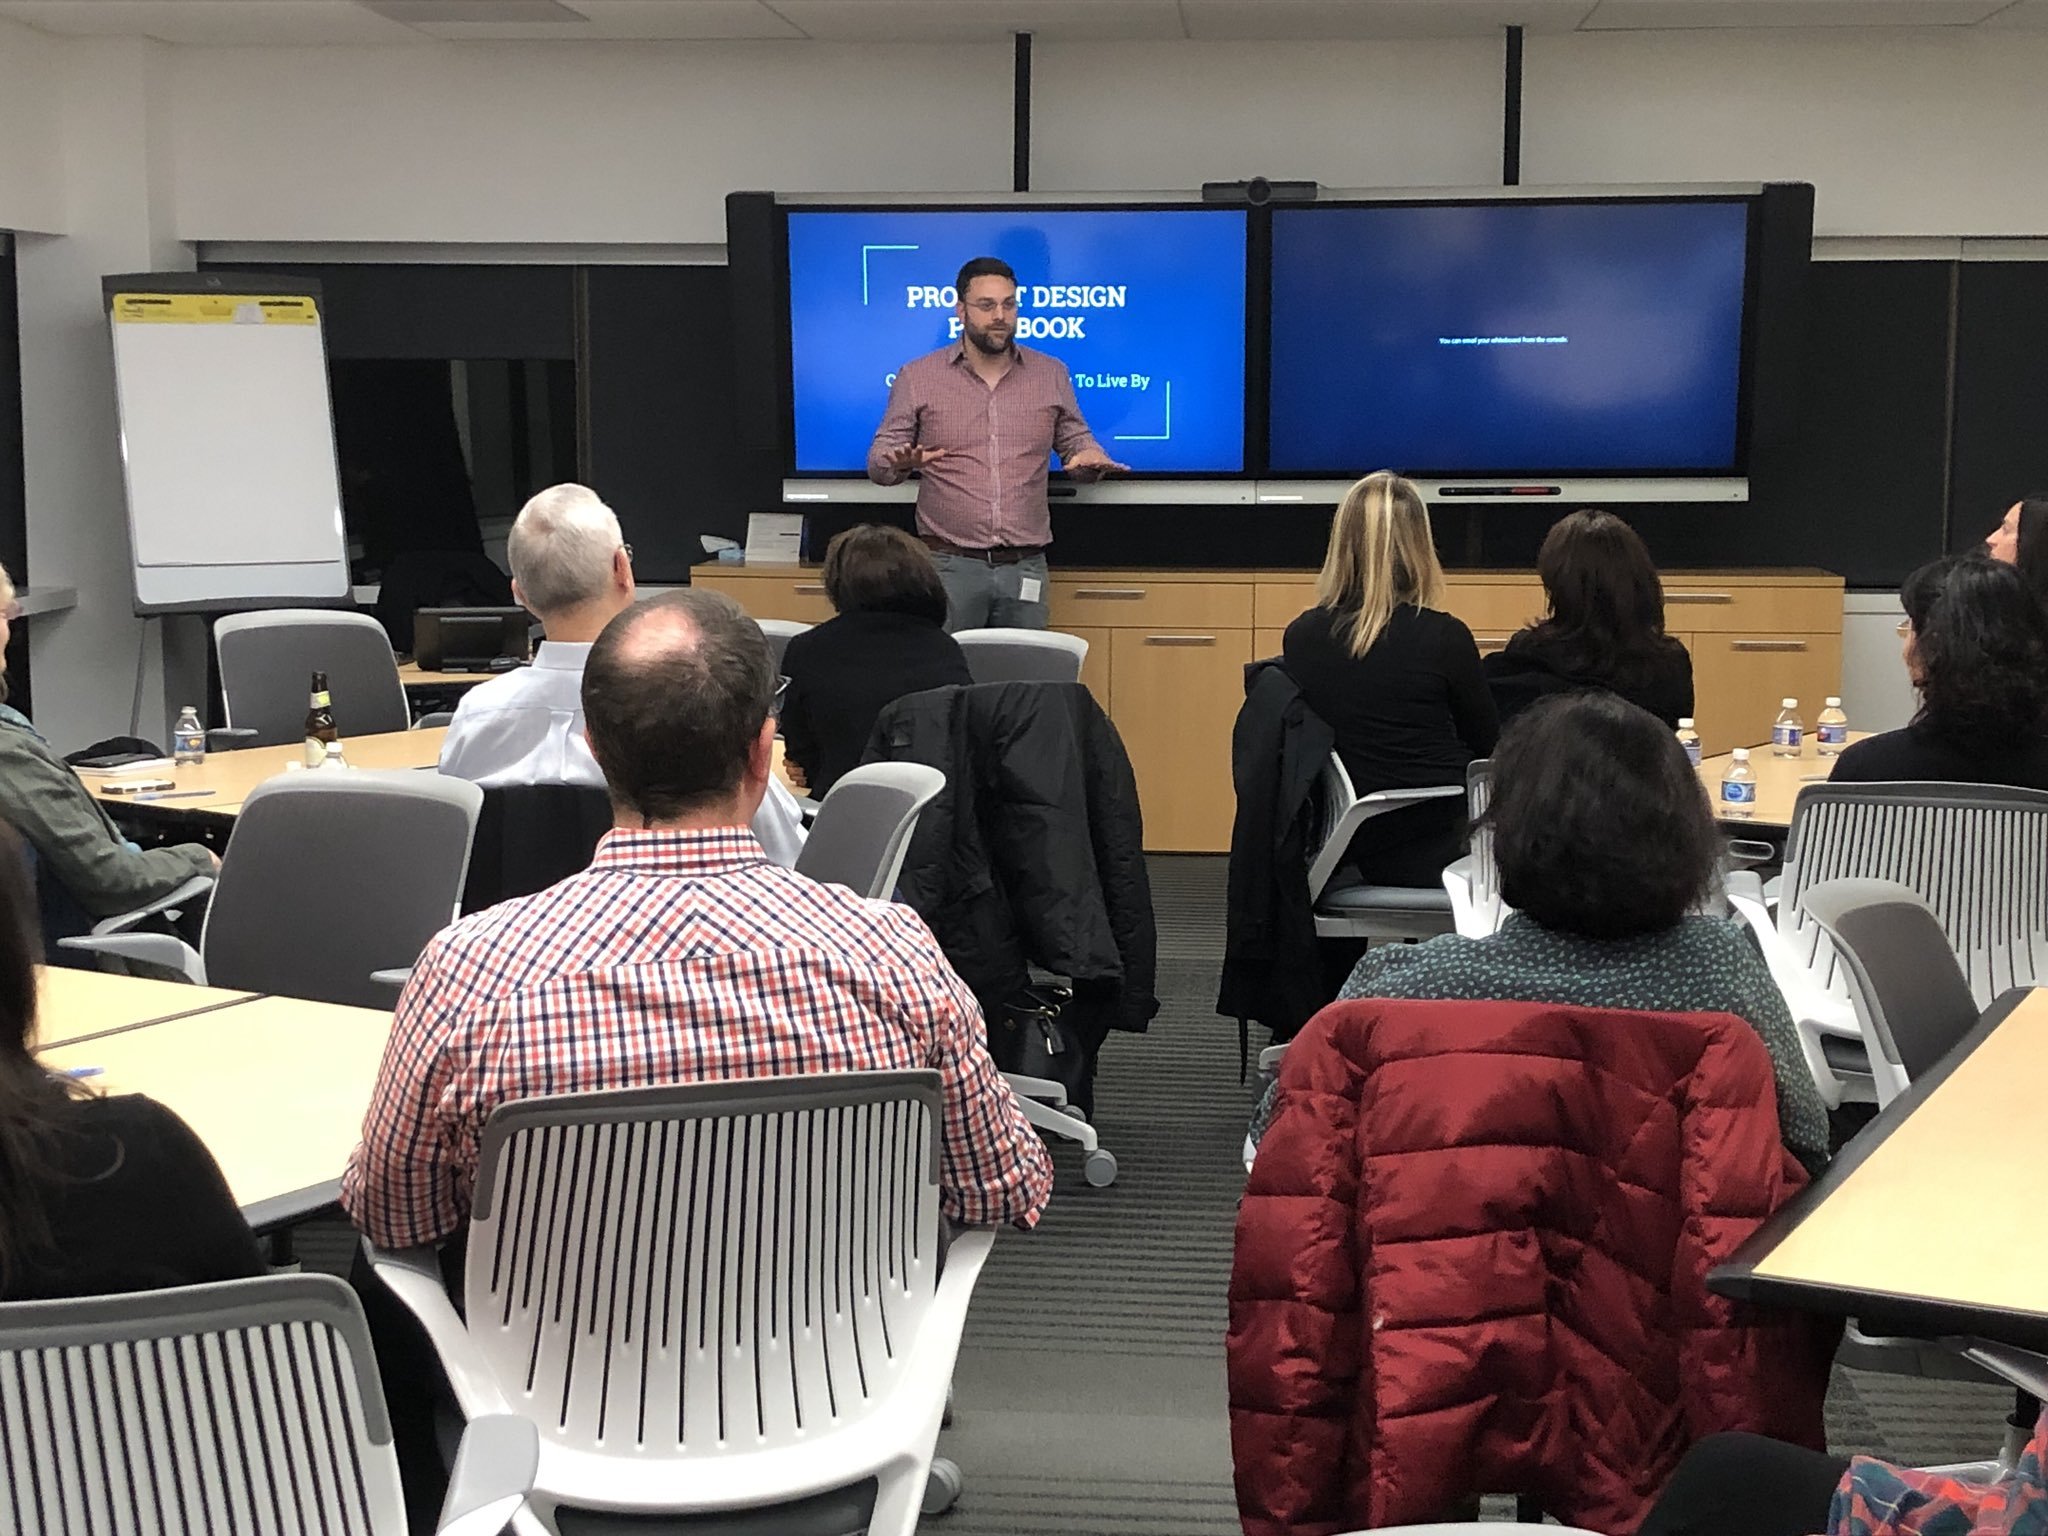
984 596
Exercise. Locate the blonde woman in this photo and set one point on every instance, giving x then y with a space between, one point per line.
1395 676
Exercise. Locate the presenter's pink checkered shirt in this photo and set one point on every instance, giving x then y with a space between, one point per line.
676 957
989 489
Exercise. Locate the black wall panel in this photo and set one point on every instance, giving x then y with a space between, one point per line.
13 493
424 310
2001 442
663 431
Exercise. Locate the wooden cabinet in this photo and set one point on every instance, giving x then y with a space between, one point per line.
1738 681
1167 651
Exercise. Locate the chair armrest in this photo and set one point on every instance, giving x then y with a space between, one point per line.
2020 1368
183 896
163 949
1323 862
1041 1088
495 1465
1746 885
1383 800
414 1277
397 976
1271 1056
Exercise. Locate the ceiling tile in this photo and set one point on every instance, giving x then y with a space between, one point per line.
950 21
626 21
1651 15
282 22
1320 20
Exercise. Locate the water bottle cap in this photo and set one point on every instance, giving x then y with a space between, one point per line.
1789 703
1833 702
1740 754
1685 722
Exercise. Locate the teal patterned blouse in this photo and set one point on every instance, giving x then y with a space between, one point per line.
1700 965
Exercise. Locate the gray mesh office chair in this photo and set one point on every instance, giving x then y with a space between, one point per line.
1022 655
248 1406
713 1297
779 633
1977 854
266 660
328 878
1912 1001
1345 906
864 825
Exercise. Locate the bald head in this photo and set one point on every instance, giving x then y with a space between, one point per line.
676 696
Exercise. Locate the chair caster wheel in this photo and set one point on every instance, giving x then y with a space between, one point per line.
941 1486
1075 1112
1099 1168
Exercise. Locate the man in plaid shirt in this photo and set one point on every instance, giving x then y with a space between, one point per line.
681 954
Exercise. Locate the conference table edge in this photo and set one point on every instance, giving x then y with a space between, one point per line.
1877 1309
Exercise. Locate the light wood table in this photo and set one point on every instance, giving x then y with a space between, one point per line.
1778 782
276 1087
412 677
232 775
1928 1223
84 1005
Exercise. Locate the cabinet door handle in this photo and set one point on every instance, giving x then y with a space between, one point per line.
1122 593
1699 597
1491 639
808 590
1180 639
1766 645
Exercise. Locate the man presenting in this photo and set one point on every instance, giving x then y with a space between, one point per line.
978 419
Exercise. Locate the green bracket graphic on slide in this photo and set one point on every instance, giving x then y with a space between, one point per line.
864 264
1164 435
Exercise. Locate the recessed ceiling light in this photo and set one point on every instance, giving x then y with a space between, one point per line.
444 13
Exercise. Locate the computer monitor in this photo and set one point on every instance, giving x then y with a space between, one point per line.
470 639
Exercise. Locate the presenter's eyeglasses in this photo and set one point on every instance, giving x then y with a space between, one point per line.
994 306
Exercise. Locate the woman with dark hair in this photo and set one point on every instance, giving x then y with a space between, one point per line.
1605 627
888 639
1976 646
96 1194
1606 847
2021 540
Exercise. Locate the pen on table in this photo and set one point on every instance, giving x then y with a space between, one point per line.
173 794
83 1071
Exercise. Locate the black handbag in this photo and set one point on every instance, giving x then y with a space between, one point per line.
1028 1037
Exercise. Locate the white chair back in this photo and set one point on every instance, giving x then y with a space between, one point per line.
1368 911
266 660
1022 655
1976 854
862 831
708 1295
248 1405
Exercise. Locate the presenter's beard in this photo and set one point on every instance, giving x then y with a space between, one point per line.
994 343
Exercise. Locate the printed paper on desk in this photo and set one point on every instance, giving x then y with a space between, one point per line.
775 538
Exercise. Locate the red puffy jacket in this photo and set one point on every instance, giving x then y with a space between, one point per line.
1472 1259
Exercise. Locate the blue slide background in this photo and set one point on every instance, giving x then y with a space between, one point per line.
1184 272
1649 295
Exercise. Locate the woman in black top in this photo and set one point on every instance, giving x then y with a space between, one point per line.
1976 646
96 1194
1605 629
2022 540
1395 677
889 639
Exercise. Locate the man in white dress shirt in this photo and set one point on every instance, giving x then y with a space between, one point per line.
573 571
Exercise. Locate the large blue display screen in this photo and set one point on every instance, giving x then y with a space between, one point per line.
1145 307
1453 338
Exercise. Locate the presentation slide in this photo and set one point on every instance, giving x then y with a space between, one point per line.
1452 339
1145 307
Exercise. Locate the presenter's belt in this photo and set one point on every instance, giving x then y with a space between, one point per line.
996 554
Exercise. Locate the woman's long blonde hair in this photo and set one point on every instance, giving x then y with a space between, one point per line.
1381 555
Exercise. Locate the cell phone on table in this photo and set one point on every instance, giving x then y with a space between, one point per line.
139 786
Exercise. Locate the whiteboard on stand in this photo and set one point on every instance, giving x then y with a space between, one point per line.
227 443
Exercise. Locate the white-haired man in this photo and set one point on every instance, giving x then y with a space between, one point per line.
572 570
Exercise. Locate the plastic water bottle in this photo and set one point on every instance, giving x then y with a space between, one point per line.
1689 739
332 757
1833 729
188 737
1788 732
1738 785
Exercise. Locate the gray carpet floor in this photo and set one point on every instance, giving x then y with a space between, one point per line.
1090 1396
